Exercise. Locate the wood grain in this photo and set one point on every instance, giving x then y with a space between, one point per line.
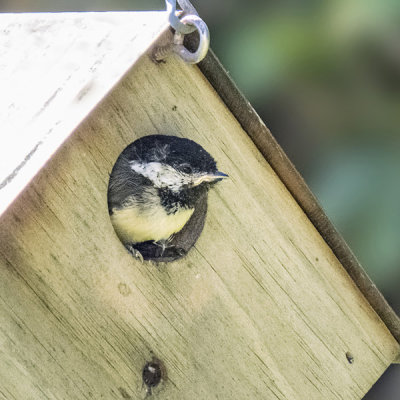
242 110
259 309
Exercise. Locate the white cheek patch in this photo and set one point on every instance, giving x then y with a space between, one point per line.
162 175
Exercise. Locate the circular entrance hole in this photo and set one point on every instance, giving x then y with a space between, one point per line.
157 196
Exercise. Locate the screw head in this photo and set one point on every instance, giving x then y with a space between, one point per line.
151 374
350 357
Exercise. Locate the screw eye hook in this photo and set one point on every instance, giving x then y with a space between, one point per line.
185 22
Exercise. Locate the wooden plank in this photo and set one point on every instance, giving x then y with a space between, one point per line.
54 69
273 153
260 308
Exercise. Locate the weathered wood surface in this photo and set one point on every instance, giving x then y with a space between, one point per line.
286 171
54 68
259 309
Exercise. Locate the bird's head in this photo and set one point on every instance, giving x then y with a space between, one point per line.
173 163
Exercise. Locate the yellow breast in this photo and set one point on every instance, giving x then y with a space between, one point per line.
133 226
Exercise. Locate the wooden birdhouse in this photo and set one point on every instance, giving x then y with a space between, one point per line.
269 303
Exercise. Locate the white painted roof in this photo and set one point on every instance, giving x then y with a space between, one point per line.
54 69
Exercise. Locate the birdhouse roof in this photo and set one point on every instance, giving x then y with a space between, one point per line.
54 69
51 81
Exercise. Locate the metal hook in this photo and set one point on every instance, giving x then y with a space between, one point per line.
204 42
173 15
184 22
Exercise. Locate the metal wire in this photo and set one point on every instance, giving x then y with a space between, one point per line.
173 15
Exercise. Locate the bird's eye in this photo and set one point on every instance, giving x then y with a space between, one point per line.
185 168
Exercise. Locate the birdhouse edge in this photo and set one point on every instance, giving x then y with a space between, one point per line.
266 143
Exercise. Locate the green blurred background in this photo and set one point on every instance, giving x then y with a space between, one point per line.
325 77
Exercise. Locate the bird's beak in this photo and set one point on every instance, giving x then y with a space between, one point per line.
215 177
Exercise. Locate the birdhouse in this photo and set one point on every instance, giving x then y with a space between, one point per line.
269 303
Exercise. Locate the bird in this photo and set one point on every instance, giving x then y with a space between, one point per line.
154 187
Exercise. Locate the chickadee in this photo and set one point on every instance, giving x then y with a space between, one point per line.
154 186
